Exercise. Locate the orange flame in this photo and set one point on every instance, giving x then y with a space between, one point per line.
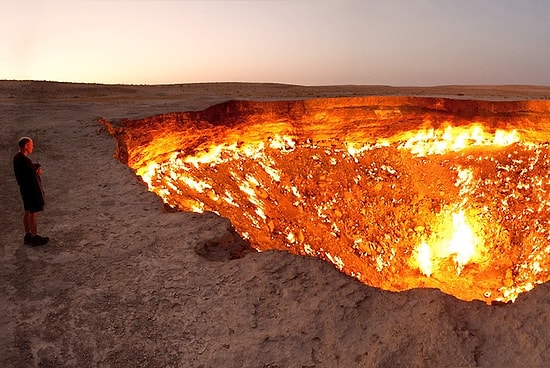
260 183
455 239
453 139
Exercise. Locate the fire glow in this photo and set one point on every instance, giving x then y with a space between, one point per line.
464 207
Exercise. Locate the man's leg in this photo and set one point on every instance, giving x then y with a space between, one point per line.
34 223
35 239
28 224
27 218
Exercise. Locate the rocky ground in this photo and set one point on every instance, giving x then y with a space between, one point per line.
123 283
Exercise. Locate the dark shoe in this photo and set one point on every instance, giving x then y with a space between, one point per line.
39 240
27 238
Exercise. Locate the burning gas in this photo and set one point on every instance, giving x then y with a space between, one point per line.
459 205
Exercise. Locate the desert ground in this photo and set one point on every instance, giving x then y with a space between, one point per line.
123 283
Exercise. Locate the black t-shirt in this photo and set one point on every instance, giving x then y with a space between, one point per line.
29 181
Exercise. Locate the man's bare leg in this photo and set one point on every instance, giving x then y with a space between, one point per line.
27 219
30 220
34 223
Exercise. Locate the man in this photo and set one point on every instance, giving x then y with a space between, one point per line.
28 177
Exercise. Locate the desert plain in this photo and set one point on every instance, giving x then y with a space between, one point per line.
124 283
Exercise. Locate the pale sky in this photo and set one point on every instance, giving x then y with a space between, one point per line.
308 42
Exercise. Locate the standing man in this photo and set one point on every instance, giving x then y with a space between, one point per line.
28 177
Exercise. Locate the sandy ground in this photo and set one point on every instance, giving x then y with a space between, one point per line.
122 284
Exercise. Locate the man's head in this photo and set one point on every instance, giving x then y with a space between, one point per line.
26 145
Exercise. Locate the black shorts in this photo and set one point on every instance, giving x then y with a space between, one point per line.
32 202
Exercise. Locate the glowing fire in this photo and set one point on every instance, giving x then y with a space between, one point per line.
455 240
460 208
453 139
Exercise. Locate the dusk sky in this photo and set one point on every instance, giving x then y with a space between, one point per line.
308 42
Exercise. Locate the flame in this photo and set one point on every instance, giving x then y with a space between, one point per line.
274 187
452 139
462 244
454 239
423 258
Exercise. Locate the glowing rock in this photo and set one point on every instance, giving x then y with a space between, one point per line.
399 192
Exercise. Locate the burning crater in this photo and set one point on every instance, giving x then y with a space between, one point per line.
398 192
